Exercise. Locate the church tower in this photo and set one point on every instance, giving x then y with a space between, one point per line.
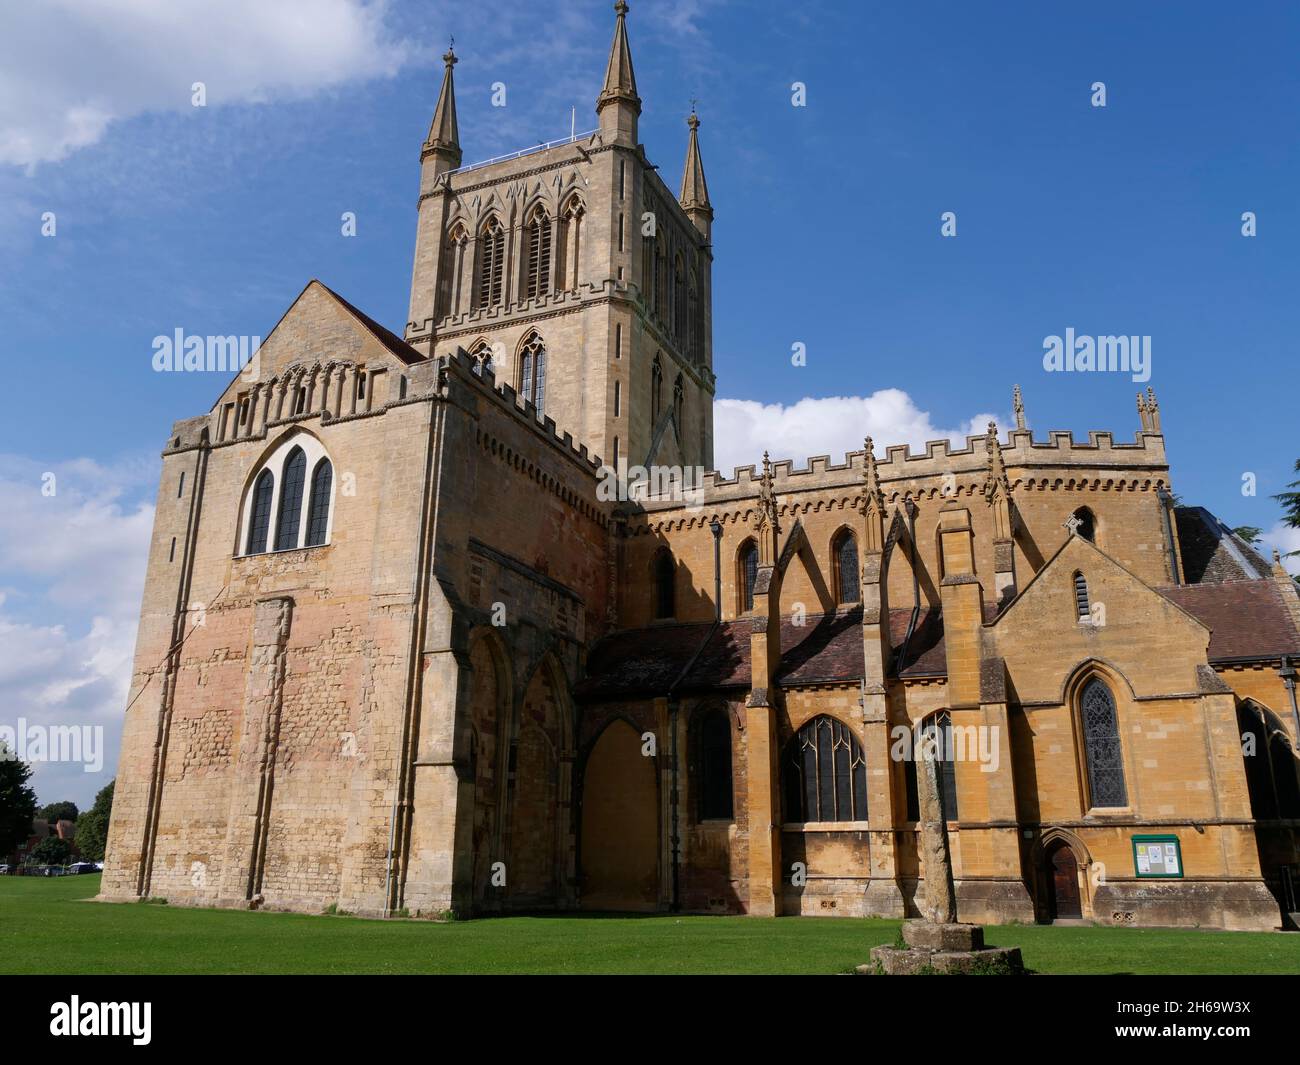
575 274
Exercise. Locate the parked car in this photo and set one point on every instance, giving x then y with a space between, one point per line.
4 869
77 868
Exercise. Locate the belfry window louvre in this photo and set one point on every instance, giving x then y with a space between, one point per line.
1105 755
825 774
539 255
491 264
1081 604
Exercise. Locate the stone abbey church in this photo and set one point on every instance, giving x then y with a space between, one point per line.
399 653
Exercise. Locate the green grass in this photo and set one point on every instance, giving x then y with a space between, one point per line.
47 926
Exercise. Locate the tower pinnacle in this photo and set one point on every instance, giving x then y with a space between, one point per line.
444 134
694 197
618 105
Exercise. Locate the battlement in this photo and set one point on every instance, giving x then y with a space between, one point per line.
459 366
902 473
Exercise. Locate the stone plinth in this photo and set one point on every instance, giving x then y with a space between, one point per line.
943 948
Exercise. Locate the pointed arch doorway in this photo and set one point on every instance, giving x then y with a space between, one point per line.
620 831
1062 869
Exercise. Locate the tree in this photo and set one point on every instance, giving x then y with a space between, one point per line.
92 826
17 801
51 851
58 811
1249 533
1291 505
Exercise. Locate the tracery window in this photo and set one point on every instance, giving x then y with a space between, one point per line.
848 581
824 774
275 516
748 565
532 373
1105 754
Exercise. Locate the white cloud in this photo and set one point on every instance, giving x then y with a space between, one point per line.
1285 539
743 429
70 68
72 569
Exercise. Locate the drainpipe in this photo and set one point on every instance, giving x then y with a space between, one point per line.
674 706
1166 500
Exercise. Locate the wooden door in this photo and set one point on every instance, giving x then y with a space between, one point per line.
1063 881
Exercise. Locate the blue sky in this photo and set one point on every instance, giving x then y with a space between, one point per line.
1117 220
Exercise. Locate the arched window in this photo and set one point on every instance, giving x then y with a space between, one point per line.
1087 524
936 737
679 401
538 254
481 353
1082 607
661 285
532 373
260 524
648 259
491 263
453 270
748 566
1272 770
848 581
824 774
665 578
287 521
679 299
1105 755
656 392
713 765
573 216
318 511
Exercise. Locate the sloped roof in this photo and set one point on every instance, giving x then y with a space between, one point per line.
395 344
826 649
1212 553
1246 618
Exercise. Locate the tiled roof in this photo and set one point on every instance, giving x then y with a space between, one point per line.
826 649
387 337
1246 618
1212 553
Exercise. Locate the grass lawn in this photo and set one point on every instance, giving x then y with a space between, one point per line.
46 926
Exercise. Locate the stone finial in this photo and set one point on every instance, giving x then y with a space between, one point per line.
872 495
1018 403
996 481
765 518
1153 410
